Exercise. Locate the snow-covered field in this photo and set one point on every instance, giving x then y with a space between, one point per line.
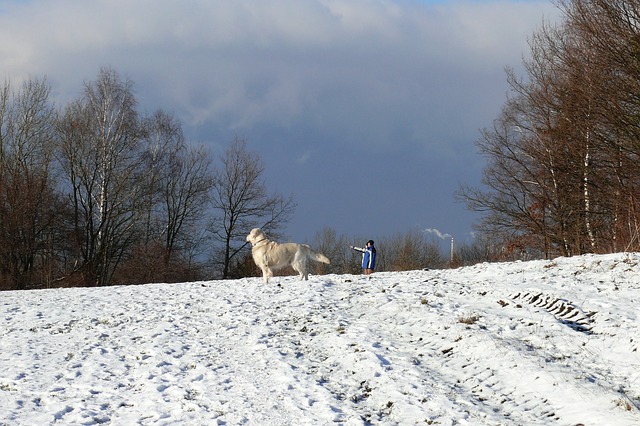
525 343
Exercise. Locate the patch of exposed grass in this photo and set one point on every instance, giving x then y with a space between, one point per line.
469 319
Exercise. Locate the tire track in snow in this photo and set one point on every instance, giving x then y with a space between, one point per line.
563 310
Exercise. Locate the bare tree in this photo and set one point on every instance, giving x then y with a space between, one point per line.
336 248
162 138
177 185
547 168
99 153
411 251
611 29
241 199
29 205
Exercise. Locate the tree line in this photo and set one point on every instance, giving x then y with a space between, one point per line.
563 169
95 193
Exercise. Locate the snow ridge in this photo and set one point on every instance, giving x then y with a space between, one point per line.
565 311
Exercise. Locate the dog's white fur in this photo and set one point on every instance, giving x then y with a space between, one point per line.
270 256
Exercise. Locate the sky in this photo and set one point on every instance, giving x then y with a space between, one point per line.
547 342
366 111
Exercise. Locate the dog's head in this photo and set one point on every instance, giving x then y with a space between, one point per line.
256 235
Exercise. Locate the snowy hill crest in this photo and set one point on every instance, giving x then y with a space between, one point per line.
542 342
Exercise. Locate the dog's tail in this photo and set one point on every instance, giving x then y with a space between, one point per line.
319 257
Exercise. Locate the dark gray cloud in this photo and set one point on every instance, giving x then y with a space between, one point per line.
365 110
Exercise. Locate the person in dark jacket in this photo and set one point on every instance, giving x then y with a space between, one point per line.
368 257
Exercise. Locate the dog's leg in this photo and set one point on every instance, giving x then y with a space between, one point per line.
266 271
303 276
300 265
266 274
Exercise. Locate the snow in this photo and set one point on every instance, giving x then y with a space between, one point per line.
525 343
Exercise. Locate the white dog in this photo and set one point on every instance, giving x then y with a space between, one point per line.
270 256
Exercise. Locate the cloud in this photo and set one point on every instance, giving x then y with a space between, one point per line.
304 157
404 85
372 72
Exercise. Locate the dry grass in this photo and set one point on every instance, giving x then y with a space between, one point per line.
469 319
